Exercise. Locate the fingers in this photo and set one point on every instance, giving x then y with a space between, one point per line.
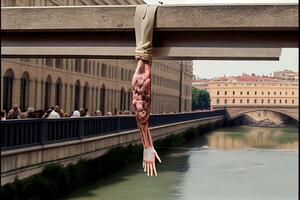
154 169
148 169
157 157
151 169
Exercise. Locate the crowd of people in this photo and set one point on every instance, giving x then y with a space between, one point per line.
55 112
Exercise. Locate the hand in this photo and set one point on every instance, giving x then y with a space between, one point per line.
149 161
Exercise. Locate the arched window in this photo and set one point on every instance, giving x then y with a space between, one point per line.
241 100
218 92
129 100
102 99
225 101
225 92
8 80
285 101
24 91
85 95
233 100
58 92
48 84
262 101
77 95
279 100
233 92
248 101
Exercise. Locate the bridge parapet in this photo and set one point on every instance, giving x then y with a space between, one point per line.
26 161
33 132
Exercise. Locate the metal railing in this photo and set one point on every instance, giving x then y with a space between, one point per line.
30 132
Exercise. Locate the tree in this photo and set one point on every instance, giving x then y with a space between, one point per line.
200 99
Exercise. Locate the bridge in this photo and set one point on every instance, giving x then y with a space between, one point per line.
234 112
30 144
180 32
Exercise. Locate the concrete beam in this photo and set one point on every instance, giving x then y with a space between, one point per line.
174 53
169 18
181 32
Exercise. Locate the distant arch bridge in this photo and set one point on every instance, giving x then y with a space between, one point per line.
233 112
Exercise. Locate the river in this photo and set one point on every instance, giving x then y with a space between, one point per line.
240 162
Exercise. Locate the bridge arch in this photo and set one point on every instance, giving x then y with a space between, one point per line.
285 113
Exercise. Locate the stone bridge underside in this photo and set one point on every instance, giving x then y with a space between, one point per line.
237 111
227 32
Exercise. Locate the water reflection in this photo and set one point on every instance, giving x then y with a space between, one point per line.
254 137
193 172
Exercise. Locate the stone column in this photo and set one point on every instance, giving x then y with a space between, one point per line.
16 92
63 97
32 94
38 97
70 98
91 101
52 95
81 96
97 104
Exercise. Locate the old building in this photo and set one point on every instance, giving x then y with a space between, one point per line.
252 90
93 84
287 75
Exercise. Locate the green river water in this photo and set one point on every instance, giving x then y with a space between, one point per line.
240 162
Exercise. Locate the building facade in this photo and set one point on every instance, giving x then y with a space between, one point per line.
92 84
287 75
252 91
88 83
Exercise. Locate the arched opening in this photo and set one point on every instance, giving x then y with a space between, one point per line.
8 80
24 91
85 95
58 92
122 99
129 100
102 99
264 118
77 95
47 99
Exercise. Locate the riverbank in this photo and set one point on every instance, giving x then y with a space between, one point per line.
56 181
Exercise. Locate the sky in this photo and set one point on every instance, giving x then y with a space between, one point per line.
289 58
